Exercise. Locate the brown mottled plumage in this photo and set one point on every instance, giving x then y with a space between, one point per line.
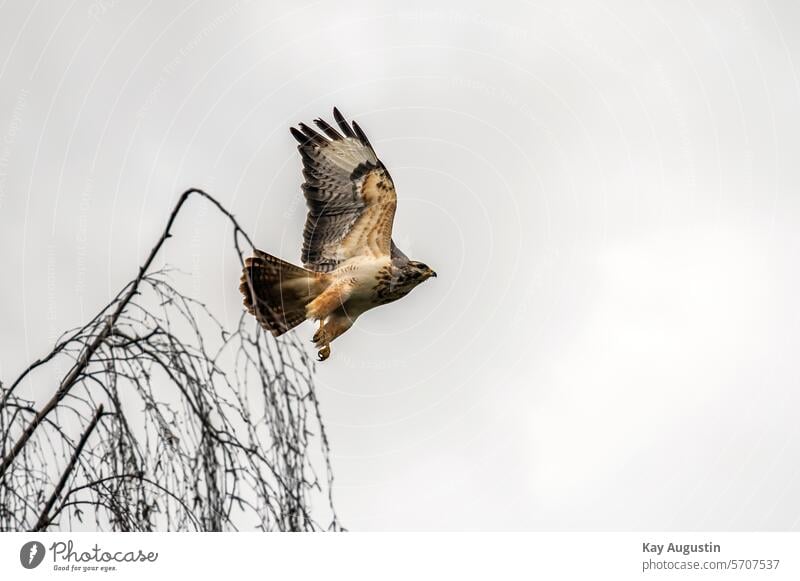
351 262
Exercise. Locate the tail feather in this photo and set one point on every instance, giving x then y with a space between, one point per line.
277 292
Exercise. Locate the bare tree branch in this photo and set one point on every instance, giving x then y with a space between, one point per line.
44 519
205 428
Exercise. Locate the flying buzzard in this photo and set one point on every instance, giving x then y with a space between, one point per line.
351 262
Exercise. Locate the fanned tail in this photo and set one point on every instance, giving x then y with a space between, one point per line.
276 292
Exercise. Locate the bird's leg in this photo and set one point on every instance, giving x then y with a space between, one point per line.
332 298
329 300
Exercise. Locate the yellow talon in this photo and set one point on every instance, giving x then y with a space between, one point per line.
324 353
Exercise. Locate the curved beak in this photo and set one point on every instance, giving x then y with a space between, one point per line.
433 274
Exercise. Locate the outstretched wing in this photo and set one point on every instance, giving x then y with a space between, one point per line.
350 196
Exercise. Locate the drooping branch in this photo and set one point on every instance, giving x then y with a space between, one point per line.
110 321
63 389
44 519
132 289
206 428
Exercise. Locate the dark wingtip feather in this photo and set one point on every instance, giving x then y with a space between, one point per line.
343 125
312 135
329 131
302 139
361 135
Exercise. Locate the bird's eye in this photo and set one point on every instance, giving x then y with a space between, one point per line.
422 266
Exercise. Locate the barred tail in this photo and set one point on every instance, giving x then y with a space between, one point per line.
277 292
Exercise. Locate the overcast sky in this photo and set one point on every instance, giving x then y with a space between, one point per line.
607 190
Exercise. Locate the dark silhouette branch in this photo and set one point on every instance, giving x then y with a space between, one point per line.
222 423
63 389
44 519
110 321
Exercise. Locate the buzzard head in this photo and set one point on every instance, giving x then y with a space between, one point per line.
404 276
417 272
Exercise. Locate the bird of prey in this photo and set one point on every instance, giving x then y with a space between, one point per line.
351 262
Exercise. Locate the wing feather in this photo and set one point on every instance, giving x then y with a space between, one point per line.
343 125
329 131
349 193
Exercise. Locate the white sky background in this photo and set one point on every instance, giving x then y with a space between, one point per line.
607 190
